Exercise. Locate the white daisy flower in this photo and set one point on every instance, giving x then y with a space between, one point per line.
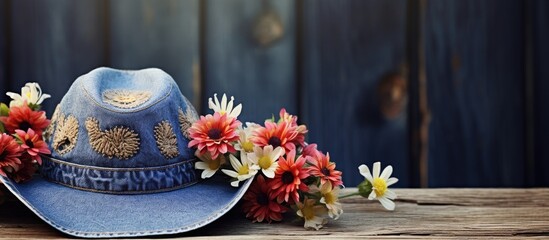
31 93
209 165
380 184
266 158
224 107
245 142
244 170
314 215
330 198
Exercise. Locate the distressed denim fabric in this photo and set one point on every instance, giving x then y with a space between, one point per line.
156 190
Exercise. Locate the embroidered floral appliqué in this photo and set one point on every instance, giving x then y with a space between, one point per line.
120 142
166 139
186 119
49 130
66 133
121 98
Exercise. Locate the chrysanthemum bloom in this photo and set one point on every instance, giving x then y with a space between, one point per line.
300 129
380 184
32 144
242 171
9 154
208 164
314 215
289 178
266 158
329 197
259 205
324 169
275 134
31 94
24 118
214 134
225 107
245 143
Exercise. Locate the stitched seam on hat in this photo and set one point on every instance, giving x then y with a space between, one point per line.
88 95
66 134
122 192
166 141
119 169
120 141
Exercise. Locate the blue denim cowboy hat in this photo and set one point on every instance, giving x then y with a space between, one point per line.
120 165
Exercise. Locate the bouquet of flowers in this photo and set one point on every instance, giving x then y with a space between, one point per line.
288 174
21 127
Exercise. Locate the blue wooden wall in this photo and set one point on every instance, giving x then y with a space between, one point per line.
472 114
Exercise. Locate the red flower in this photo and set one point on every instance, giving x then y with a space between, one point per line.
324 169
258 203
288 178
24 118
9 154
32 144
276 135
214 134
25 171
292 121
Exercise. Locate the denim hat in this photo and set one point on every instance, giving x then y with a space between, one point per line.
120 163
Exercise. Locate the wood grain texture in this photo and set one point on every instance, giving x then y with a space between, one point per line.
347 47
54 42
475 74
262 78
420 213
541 83
162 34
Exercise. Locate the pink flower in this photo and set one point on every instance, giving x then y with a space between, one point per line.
24 118
311 151
324 169
289 178
32 144
214 134
9 155
276 135
259 205
25 170
292 121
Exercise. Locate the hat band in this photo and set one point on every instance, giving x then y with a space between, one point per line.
120 180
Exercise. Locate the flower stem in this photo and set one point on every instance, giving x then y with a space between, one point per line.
349 195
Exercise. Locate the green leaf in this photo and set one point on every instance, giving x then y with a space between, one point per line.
4 110
2 130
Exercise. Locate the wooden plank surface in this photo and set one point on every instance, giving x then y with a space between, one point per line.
162 34
420 213
475 76
260 76
541 83
347 48
54 42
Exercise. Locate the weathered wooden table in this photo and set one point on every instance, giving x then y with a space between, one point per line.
420 213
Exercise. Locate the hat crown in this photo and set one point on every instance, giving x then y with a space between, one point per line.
123 120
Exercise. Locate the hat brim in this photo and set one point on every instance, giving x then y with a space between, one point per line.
98 215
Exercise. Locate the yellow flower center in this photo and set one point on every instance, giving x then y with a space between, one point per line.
214 164
308 211
244 170
265 162
330 197
28 94
222 112
248 146
379 186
